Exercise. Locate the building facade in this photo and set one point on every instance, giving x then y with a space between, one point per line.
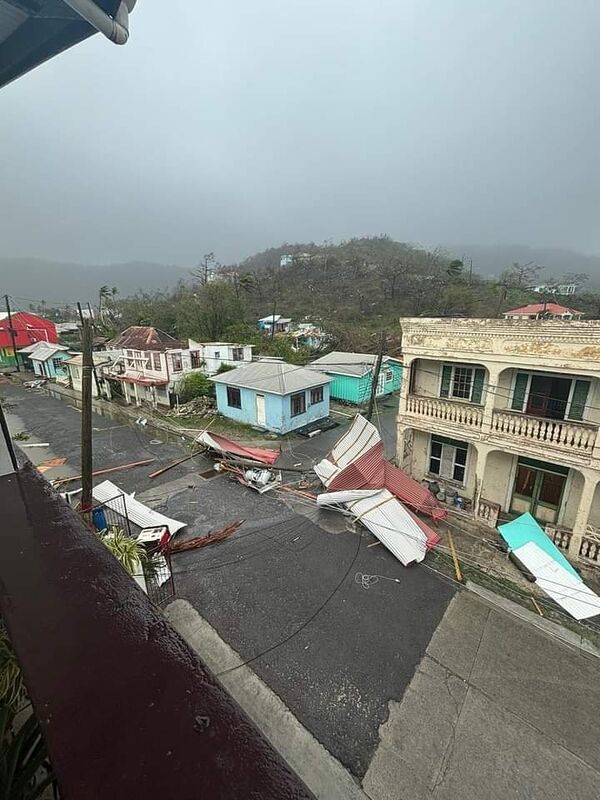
273 395
215 355
100 386
48 361
506 413
28 329
352 375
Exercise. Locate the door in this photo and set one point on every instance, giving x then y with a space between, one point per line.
261 416
548 396
538 491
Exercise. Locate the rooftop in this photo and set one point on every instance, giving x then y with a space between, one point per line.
544 308
144 337
275 377
43 350
356 364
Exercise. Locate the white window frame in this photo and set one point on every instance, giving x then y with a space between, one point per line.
454 367
445 478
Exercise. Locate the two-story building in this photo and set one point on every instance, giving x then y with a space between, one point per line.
506 412
147 363
215 355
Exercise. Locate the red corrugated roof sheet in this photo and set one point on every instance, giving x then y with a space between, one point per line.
261 454
541 308
372 471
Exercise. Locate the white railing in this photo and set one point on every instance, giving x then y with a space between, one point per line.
564 434
445 410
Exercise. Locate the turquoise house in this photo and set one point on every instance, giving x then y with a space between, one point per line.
273 395
352 375
48 360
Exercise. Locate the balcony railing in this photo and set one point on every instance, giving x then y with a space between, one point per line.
445 410
574 436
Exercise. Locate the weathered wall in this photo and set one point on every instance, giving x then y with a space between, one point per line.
497 477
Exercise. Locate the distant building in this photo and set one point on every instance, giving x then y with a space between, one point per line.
308 335
273 395
352 375
100 385
287 259
147 363
564 289
29 329
48 360
549 310
275 323
214 355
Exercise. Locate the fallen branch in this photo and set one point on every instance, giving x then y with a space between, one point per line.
107 470
203 541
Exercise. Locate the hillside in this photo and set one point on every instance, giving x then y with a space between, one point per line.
491 260
63 282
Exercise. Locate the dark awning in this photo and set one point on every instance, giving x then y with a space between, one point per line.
32 31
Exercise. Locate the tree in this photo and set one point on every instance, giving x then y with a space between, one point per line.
192 385
206 269
455 268
522 276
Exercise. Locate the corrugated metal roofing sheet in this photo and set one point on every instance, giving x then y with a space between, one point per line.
138 513
275 377
224 445
568 591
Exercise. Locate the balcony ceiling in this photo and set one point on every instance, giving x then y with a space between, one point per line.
32 31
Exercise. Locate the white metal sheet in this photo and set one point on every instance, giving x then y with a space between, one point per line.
361 436
561 585
140 514
345 496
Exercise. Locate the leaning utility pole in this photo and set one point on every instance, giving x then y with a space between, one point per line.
86 418
376 372
12 332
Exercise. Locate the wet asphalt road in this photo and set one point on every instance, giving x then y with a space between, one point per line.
284 590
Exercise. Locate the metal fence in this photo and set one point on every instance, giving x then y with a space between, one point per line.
158 572
111 516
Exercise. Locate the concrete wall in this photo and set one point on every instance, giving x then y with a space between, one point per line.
427 377
277 409
571 497
499 475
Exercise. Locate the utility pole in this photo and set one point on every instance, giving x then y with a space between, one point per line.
376 372
12 332
86 418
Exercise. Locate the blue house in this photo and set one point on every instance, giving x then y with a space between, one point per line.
352 375
48 360
273 395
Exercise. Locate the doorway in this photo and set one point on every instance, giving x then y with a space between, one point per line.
261 416
538 489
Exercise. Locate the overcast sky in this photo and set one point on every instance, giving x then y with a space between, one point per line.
231 126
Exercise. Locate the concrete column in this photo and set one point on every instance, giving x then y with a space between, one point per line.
482 455
491 393
135 394
401 429
583 512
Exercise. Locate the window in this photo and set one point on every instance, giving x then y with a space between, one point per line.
195 359
234 397
177 363
316 395
462 383
57 364
389 375
550 396
298 404
156 361
217 354
448 458
237 353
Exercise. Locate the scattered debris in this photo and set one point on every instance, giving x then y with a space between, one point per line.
35 384
260 479
111 496
314 428
553 573
227 447
38 444
170 466
21 436
197 407
107 470
204 541
359 479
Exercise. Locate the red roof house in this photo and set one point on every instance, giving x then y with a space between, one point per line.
549 310
28 328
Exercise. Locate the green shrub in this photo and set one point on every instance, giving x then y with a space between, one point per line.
196 384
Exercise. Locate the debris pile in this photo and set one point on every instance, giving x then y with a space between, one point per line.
198 407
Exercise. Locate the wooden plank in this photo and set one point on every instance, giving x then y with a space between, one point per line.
107 470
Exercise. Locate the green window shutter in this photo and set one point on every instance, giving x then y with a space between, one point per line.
446 377
580 395
518 399
478 379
